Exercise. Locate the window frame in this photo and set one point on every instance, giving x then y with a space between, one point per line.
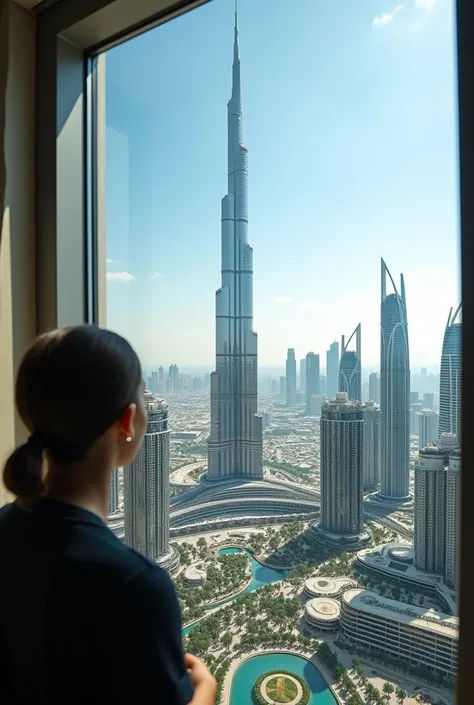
71 35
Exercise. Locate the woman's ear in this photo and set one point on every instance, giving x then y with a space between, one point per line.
126 422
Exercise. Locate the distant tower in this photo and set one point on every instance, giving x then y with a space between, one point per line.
427 427
312 380
350 374
428 400
146 489
342 455
114 492
374 387
291 377
394 392
371 445
437 507
174 378
236 437
450 385
332 370
282 387
303 375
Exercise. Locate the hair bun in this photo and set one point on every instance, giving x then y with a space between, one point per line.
23 473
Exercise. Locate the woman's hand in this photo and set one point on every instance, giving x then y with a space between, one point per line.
205 685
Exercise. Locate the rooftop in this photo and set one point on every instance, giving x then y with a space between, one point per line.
428 620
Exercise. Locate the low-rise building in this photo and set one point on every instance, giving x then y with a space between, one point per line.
323 613
422 638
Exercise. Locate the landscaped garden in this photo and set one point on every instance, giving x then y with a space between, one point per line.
281 687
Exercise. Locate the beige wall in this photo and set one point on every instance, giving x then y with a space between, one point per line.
17 244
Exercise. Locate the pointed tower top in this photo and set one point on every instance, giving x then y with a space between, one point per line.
236 35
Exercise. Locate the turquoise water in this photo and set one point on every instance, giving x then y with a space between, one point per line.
261 575
248 672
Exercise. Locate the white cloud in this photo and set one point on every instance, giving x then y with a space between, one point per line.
283 300
387 17
156 275
120 277
112 261
426 5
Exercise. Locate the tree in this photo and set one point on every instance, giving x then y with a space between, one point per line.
388 689
401 695
226 640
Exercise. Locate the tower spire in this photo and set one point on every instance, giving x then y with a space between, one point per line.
236 35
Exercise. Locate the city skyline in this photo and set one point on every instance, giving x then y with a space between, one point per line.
152 171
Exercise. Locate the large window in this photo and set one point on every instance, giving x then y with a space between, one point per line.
313 393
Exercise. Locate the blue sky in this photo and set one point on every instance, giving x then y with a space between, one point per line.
351 125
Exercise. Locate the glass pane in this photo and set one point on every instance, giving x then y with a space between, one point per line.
268 179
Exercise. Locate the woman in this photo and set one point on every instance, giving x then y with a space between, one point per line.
83 618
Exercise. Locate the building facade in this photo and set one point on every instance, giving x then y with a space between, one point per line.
146 490
312 380
290 377
235 441
404 632
303 376
342 433
450 389
394 392
374 387
350 371
427 427
332 370
114 492
371 445
437 486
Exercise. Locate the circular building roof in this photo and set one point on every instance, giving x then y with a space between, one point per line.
323 610
328 587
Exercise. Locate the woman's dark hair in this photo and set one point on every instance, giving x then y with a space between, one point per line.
72 385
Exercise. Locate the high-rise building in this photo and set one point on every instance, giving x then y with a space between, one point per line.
414 398
235 441
342 454
161 373
312 379
428 400
282 387
371 445
394 392
374 387
290 377
350 372
450 385
427 427
173 374
303 375
146 490
437 475
274 389
316 403
415 411
332 370
114 492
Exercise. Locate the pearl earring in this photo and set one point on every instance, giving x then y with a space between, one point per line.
129 439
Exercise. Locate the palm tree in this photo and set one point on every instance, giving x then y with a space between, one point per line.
401 695
388 689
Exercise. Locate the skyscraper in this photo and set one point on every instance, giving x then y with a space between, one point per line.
437 475
451 376
371 445
342 435
235 441
146 489
282 387
350 373
427 427
374 387
332 370
394 391
303 375
114 492
291 377
312 380
174 378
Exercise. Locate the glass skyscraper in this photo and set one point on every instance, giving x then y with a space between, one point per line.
450 395
350 373
146 490
291 377
312 380
332 370
394 391
235 441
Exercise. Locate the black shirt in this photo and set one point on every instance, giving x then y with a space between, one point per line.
83 618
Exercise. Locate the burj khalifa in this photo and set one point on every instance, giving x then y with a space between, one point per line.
235 441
